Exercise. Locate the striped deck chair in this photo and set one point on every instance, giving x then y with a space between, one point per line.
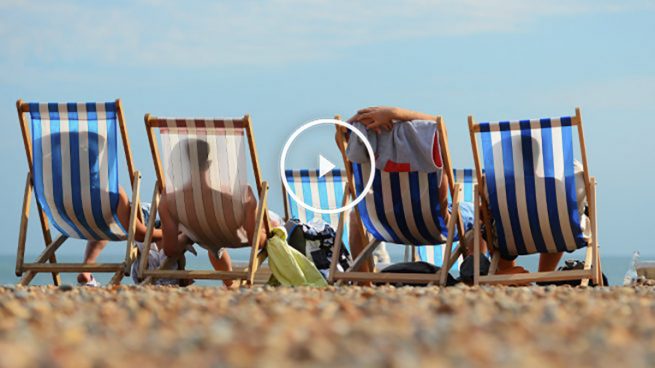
530 187
203 175
401 208
320 192
72 155
435 254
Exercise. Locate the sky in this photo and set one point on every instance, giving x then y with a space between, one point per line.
289 62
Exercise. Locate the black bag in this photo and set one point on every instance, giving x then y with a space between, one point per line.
416 267
315 245
572 264
466 268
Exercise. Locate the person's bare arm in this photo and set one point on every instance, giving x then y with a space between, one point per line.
382 117
124 212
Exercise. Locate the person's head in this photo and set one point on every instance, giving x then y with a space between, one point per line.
525 142
186 149
94 145
202 151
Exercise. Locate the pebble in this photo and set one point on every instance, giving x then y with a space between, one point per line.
65 287
348 325
21 294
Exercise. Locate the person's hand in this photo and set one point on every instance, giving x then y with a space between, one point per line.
376 118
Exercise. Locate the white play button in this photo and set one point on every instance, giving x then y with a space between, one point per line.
324 165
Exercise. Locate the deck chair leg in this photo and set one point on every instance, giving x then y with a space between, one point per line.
364 255
336 251
259 221
22 235
591 256
47 253
261 257
459 249
154 208
118 276
495 259
591 253
455 253
56 279
589 264
476 239
131 249
599 268
595 266
336 248
443 273
454 218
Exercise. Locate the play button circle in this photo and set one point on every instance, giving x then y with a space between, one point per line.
326 166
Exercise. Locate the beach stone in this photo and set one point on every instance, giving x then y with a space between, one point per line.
65 287
21 294
346 325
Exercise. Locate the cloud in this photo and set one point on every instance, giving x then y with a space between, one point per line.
207 33
631 93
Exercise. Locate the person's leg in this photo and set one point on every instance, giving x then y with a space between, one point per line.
91 253
169 227
355 238
508 267
549 261
224 263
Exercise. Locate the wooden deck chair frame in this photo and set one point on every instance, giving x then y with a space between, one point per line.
261 218
592 268
351 274
47 260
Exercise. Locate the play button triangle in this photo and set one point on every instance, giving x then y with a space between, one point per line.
324 165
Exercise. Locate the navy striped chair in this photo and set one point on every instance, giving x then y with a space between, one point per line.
72 154
403 208
324 192
530 197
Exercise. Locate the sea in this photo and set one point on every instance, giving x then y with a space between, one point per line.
614 266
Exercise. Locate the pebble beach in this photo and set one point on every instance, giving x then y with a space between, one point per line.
461 326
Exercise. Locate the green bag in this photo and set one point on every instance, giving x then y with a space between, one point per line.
289 266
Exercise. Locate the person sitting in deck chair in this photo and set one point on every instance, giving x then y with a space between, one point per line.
381 119
548 261
174 243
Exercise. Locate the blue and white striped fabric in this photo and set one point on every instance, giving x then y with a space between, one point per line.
321 192
75 168
435 254
467 178
402 207
529 171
